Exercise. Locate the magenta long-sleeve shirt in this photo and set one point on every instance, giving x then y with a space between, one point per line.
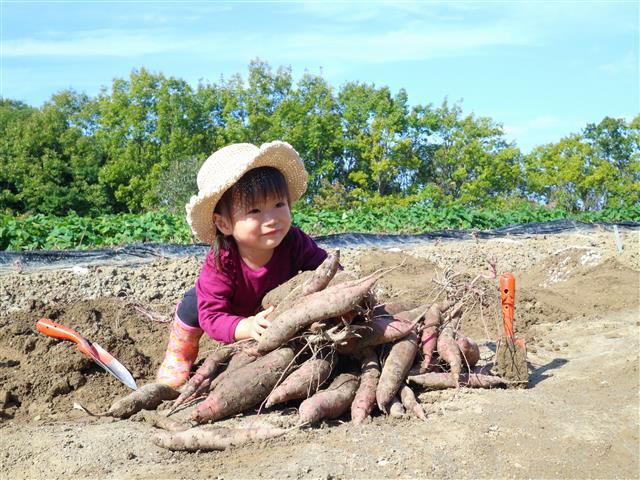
234 292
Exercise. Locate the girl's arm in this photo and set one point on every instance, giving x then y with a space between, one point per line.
214 291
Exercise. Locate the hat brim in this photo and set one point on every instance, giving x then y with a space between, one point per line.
276 154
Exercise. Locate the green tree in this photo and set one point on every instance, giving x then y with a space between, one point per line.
309 120
599 168
377 156
616 147
49 158
147 123
471 161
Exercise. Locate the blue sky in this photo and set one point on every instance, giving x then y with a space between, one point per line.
541 69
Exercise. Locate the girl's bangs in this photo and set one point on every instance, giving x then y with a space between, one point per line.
259 185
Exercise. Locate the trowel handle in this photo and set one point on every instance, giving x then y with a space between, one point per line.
508 298
50 328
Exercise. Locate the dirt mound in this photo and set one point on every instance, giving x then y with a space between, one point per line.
40 375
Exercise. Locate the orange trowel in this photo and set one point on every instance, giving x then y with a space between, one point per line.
511 352
92 350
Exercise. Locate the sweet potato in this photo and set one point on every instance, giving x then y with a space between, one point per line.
206 439
409 402
286 294
165 423
429 336
240 359
303 382
396 410
332 402
365 398
333 301
395 369
382 328
323 274
439 381
469 350
203 376
246 388
147 397
449 351
385 330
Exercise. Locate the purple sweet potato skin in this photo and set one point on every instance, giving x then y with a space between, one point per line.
332 402
323 274
365 398
245 388
429 336
240 359
303 382
469 350
395 369
439 381
202 439
147 397
411 405
449 351
334 301
201 380
379 330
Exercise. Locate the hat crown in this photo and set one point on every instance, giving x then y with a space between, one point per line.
226 166
228 159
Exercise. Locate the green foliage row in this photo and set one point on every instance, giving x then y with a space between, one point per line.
137 146
41 231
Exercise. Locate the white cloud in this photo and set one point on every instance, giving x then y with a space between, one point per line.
96 43
413 42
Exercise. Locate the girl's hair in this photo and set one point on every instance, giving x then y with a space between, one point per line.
258 184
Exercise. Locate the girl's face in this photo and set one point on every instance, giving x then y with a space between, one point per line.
257 228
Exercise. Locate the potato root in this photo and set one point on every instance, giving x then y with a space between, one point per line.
429 336
396 409
147 397
365 398
469 350
246 388
323 274
206 439
332 402
384 330
333 301
439 381
165 423
240 359
449 351
202 378
395 369
303 382
409 402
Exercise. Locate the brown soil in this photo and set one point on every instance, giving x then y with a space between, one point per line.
577 306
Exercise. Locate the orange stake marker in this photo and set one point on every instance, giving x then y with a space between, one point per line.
508 298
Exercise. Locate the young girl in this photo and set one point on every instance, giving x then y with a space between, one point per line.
243 211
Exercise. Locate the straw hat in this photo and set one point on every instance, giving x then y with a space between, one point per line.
225 167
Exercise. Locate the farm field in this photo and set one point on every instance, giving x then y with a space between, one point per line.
577 306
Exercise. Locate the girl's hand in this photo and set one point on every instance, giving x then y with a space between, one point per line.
260 323
253 327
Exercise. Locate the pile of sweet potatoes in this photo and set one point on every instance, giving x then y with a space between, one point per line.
330 351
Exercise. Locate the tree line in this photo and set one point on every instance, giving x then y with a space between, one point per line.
137 146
